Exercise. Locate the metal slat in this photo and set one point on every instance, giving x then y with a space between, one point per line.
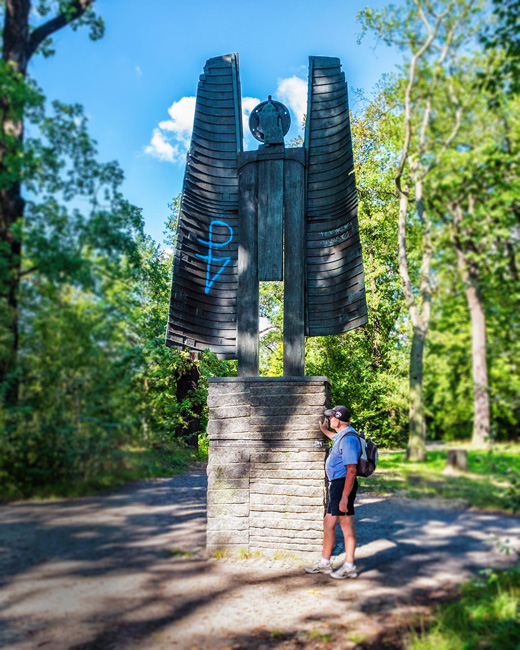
333 251
203 307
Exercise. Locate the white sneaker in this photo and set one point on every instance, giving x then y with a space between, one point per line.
344 572
318 567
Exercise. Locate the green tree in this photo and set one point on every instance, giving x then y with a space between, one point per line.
20 42
476 195
368 365
501 39
75 300
66 355
433 36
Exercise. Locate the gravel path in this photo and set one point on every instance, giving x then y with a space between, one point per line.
99 573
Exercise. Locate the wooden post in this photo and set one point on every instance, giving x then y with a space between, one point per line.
294 264
247 296
270 215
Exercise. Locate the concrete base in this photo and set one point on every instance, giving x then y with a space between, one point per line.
266 478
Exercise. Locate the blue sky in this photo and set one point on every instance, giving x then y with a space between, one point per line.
151 57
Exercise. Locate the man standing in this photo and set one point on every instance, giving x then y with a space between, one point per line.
341 468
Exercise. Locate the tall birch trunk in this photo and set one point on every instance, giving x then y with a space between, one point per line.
417 440
420 319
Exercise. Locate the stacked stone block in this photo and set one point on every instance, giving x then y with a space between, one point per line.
266 479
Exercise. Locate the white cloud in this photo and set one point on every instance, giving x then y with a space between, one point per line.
181 123
171 138
139 71
292 91
160 148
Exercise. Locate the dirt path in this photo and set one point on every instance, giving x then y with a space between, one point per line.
99 573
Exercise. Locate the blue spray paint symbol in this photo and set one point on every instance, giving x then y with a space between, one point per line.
210 279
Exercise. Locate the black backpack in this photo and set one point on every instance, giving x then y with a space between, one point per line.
367 462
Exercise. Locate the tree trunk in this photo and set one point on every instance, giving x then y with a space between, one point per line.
482 419
420 321
16 34
187 384
470 279
417 442
481 415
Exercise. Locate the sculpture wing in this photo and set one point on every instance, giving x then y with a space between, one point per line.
335 288
203 301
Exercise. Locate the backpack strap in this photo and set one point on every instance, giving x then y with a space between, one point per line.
355 435
341 443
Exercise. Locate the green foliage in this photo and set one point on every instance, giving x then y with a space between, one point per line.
485 616
374 395
475 195
367 366
116 469
271 329
464 155
448 387
69 10
83 338
501 39
94 372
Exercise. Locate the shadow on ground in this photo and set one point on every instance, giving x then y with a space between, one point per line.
100 573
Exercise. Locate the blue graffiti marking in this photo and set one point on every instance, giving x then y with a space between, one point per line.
210 279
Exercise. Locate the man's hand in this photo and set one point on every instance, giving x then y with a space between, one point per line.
349 484
343 504
324 426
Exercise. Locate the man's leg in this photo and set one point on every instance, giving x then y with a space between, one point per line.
347 569
349 533
329 534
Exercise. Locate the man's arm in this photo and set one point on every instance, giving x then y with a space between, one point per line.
349 484
324 428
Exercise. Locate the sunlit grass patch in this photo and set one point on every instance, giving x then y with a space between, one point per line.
486 616
491 483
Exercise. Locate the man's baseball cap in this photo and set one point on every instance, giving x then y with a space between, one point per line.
340 412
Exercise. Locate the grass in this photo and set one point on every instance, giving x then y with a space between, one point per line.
179 552
317 634
244 554
486 616
491 483
124 466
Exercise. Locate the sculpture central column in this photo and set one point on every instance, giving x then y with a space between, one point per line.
271 184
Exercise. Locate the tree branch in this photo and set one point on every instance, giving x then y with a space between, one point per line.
27 271
408 103
74 10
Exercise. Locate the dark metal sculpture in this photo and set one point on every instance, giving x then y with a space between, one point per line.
269 214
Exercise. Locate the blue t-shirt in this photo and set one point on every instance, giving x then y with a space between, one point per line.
335 466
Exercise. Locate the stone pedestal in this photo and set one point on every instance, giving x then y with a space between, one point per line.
266 478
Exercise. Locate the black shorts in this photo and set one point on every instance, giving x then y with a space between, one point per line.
334 497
